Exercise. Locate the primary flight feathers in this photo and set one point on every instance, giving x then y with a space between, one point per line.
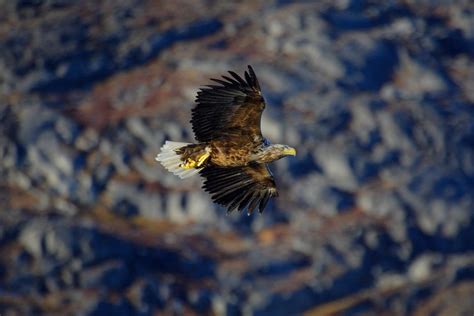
236 104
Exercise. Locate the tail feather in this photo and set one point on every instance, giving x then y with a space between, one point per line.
171 160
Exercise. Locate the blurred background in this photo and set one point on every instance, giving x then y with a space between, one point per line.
375 214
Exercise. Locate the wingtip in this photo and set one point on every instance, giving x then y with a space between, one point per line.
237 77
255 82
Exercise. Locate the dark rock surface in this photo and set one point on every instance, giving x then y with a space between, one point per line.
375 214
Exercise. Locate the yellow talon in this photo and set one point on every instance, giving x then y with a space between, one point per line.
189 164
202 159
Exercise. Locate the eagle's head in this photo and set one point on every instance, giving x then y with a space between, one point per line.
282 150
274 152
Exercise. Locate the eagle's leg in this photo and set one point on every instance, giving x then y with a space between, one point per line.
193 158
203 158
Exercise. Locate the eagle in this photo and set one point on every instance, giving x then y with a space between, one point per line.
231 153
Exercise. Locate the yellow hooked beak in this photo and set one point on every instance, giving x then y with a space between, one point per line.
290 152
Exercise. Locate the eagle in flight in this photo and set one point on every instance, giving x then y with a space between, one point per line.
231 153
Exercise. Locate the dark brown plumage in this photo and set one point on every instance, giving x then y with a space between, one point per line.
232 109
248 186
232 154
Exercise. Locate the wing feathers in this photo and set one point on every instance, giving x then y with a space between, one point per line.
232 81
240 187
255 82
238 78
234 102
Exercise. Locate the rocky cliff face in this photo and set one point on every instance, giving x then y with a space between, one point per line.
375 214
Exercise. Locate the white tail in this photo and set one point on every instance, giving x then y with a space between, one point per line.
171 160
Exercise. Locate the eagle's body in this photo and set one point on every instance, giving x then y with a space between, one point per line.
224 152
231 153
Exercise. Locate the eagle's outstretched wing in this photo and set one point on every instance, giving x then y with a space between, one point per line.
233 108
248 187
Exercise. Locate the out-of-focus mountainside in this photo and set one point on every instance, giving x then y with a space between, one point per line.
376 211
